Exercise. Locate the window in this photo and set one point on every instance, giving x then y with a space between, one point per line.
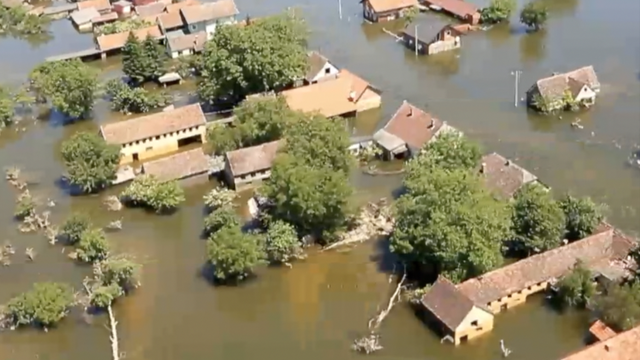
327 70
157 137
474 323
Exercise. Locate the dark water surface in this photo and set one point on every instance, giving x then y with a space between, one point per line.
316 309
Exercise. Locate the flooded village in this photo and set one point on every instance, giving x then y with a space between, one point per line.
229 179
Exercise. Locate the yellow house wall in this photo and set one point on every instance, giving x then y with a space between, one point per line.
485 325
369 100
158 145
517 298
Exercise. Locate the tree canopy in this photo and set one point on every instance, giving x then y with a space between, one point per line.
448 220
619 306
497 11
74 226
142 61
91 163
534 15
219 218
93 246
148 191
268 55
233 253
6 107
44 305
582 216
70 86
127 99
538 220
282 243
577 287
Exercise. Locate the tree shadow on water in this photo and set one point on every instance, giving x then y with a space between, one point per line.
207 271
386 261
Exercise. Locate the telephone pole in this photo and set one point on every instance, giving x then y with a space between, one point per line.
340 8
517 74
416 38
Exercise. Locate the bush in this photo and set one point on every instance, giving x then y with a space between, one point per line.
577 287
219 218
119 270
102 296
497 11
534 15
619 307
134 100
234 254
282 243
74 226
25 205
219 197
93 246
582 216
45 305
148 191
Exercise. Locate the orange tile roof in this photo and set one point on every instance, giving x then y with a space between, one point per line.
358 84
624 346
329 98
178 166
99 5
175 7
116 41
171 20
251 159
455 7
381 6
124 132
601 331
413 125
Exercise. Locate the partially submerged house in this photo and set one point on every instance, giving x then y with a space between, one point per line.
559 91
623 346
102 6
83 19
454 314
510 285
386 10
206 17
345 95
122 7
156 134
189 167
320 69
504 177
408 130
431 38
113 43
462 10
181 44
249 166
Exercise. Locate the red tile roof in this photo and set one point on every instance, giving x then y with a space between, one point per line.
382 6
413 126
178 166
456 7
117 41
251 159
624 346
446 303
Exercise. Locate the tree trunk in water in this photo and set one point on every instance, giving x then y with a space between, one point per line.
115 350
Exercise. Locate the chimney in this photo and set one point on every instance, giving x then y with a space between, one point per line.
352 96
483 168
606 347
410 111
195 41
431 124
508 163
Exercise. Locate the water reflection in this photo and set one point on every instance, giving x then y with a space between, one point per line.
533 46
499 34
560 7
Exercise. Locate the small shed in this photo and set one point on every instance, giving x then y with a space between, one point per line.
122 7
83 19
170 78
600 331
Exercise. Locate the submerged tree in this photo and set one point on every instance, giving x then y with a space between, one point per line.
44 305
582 216
448 220
619 306
266 56
25 205
538 220
234 254
220 218
91 163
263 119
534 15
93 246
113 277
6 107
69 85
282 243
133 100
497 11
149 191
577 287
219 197
74 226
142 61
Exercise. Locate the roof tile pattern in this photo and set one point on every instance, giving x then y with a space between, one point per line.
382 6
503 176
414 126
252 159
624 346
209 11
446 303
178 166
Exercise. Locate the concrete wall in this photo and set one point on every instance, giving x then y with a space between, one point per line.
159 145
441 46
476 323
516 298
369 100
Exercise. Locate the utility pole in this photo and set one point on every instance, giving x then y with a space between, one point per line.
416 38
517 74
340 8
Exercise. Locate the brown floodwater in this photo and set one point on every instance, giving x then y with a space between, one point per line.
315 310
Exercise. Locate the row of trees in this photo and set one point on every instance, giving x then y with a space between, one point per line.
448 222
265 56
533 15
48 303
17 20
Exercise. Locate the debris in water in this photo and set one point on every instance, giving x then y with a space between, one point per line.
30 253
113 203
367 344
115 225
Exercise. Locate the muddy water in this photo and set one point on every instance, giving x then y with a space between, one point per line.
317 308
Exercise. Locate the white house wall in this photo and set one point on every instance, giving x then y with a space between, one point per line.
333 72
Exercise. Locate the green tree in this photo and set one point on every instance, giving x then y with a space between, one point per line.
25 205
265 56
155 56
497 11
534 15
538 220
234 254
120 270
70 86
103 296
222 139
263 119
133 100
148 191
6 107
582 216
134 60
577 287
282 243
219 218
44 305
74 226
449 151
93 246
219 197
450 221
313 199
619 306
319 142
91 163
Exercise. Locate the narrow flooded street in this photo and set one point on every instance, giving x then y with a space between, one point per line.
316 309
